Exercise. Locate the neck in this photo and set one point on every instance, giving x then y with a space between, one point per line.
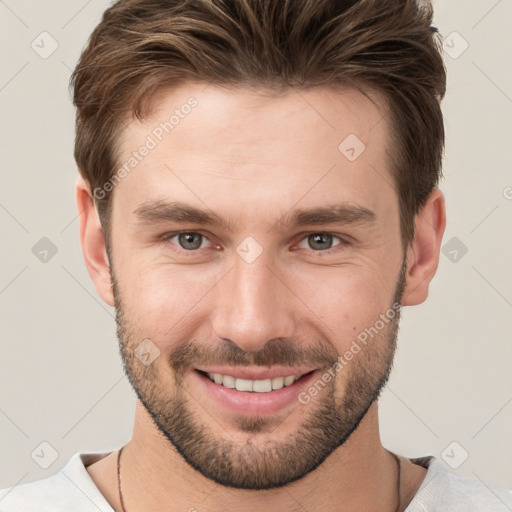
357 476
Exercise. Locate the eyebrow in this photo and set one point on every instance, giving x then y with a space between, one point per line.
344 214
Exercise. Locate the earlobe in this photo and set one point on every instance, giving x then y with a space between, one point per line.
93 242
423 253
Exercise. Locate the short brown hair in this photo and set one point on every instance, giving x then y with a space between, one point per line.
141 46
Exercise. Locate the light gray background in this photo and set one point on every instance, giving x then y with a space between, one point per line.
61 378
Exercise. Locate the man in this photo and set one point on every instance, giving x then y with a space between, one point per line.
258 200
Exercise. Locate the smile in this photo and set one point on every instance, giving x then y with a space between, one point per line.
256 386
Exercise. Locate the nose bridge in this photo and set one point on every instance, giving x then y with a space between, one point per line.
253 305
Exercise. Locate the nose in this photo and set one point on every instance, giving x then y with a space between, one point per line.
254 304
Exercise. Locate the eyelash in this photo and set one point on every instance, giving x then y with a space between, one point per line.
343 242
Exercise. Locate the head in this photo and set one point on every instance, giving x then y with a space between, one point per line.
265 176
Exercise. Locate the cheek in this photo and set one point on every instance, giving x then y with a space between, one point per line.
168 304
346 299
162 302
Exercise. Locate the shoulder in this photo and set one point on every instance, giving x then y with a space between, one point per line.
71 488
443 491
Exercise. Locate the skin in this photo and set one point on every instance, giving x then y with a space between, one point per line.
252 159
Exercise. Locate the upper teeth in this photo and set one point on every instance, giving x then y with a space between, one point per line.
260 386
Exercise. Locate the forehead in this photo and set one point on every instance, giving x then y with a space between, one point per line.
226 110
258 148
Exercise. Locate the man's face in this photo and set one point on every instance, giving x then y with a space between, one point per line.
267 292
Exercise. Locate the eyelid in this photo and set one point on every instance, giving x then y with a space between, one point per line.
167 237
343 241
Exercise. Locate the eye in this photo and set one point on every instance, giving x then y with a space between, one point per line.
192 241
320 241
187 240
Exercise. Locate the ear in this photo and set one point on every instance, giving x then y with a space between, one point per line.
93 242
423 253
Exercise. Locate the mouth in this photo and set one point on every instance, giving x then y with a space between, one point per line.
253 385
258 392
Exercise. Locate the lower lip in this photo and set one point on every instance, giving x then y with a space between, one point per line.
250 403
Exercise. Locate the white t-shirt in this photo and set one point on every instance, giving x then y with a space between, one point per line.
73 490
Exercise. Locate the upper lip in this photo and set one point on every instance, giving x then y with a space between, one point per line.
255 373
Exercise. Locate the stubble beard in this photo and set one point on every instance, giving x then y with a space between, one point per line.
259 462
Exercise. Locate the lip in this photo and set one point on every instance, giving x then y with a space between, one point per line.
251 403
256 373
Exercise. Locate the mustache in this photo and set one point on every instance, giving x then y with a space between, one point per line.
279 351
